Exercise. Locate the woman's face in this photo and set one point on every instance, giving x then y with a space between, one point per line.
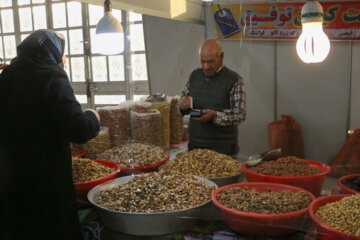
64 59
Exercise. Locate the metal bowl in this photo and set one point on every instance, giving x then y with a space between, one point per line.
147 224
222 181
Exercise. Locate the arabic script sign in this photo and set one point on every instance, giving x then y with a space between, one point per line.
283 21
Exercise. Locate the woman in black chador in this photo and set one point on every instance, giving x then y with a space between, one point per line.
39 118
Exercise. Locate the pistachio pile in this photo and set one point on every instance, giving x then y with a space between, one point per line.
270 202
134 155
205 163
343 215
86 170
286 166
156 192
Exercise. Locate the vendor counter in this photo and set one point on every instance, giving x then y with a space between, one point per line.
210 226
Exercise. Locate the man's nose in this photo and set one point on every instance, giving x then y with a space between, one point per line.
206 66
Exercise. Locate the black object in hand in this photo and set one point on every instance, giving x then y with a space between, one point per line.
195 113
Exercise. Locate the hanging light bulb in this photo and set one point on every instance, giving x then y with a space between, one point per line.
313 45
109 38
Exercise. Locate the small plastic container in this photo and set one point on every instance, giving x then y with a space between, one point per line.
345 189
324 231
77 152
258 224
82 188
312 183
126 171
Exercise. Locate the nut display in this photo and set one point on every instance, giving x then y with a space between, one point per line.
145 126
286 166
164 108
352 183
117 119
270 202
98 144
176 122
134 155
156 192
204 163
343 215
86 170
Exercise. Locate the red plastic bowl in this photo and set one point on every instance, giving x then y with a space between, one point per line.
82 188
258 224
126 171
77 152
324 231
345 189
312 183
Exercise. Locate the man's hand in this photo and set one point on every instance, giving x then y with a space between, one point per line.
207 115
183 103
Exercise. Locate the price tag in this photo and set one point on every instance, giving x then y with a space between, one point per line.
226 22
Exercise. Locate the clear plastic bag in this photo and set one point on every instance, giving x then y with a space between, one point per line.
117 119
164 108
176 122
146 126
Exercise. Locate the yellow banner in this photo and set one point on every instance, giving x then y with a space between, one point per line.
283 20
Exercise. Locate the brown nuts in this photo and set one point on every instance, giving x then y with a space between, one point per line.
286 166
156 192
205 163
270 202
86 170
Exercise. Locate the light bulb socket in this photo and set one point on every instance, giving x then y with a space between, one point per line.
312 11
107 6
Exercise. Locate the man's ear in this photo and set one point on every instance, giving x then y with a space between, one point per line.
222 56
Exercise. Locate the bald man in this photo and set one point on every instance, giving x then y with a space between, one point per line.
219 92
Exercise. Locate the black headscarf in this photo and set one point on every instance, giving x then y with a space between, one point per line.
44 47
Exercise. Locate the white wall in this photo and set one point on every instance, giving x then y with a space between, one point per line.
172 52
323 97
355 86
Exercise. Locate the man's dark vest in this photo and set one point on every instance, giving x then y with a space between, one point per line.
212 94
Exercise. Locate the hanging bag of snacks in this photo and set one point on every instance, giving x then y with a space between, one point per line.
286 134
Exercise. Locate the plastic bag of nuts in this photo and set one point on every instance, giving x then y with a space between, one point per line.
145 126
117 119
163 106
176 122
98 144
